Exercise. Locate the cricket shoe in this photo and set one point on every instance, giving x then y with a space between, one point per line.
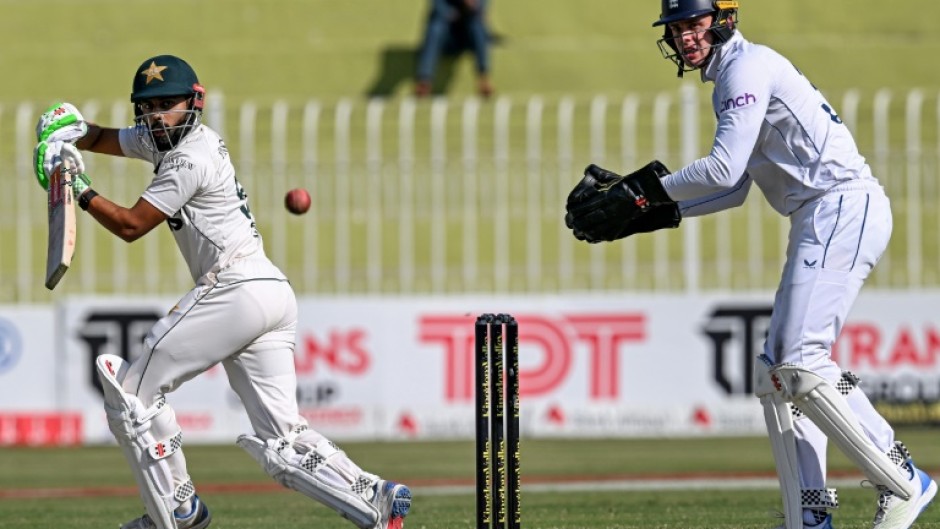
393 501
199 518
895 513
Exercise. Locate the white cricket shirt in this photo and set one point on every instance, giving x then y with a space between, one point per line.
775 127
195 186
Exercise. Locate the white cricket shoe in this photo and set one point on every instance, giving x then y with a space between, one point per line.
199 518
895 513
393 500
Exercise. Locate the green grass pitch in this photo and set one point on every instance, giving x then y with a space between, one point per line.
441 474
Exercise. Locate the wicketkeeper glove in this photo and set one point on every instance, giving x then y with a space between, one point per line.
61 122
605 206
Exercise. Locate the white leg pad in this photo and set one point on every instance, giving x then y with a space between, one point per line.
148 457
829 410
779 419
313 475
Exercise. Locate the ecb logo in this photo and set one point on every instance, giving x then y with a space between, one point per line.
737 335
11 346
119 333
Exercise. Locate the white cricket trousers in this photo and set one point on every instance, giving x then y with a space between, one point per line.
250 327
834 242
248 324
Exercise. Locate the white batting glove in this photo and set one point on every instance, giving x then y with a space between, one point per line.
72 159
48 156
61 122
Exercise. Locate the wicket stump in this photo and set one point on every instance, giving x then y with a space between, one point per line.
497 435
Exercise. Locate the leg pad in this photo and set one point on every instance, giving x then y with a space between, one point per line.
313 475
149 459
828 409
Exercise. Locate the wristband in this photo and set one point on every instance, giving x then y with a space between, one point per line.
85 198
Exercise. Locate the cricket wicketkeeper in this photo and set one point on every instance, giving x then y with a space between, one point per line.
777 131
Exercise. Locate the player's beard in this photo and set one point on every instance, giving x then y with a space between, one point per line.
166 138
160 137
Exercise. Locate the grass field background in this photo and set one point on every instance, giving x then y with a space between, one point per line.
567 484
329 48
294 51
297 50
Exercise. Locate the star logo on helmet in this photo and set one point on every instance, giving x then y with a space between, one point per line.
153 72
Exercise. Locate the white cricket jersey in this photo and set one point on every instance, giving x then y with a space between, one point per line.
773 126
195 186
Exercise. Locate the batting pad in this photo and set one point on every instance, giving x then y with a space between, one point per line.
313 475
779 420
148 457
829 410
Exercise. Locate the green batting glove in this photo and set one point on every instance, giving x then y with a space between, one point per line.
80 183
61 122
45 156
48 154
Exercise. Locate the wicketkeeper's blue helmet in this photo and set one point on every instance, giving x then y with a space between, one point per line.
725 15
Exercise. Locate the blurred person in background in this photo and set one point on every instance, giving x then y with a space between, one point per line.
454 26
776 130
241 313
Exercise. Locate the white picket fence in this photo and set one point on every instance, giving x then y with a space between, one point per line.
448 196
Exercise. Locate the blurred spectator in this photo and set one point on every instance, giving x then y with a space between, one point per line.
454 26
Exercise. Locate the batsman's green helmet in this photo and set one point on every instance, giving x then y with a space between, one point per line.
164 76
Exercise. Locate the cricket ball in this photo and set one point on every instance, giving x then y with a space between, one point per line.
297 201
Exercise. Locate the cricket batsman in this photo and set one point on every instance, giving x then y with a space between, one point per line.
241 312
778 132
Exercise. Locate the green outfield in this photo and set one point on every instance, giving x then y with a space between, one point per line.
582 484
324 48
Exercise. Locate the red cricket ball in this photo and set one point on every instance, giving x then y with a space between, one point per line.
297 201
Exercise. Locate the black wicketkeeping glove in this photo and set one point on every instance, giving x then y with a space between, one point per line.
605 206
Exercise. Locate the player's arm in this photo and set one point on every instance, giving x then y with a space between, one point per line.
103 140
129 224
716 202
63 122
743 93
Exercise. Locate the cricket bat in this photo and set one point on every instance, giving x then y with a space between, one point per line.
61 225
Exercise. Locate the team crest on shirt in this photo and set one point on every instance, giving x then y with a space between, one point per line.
737 102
